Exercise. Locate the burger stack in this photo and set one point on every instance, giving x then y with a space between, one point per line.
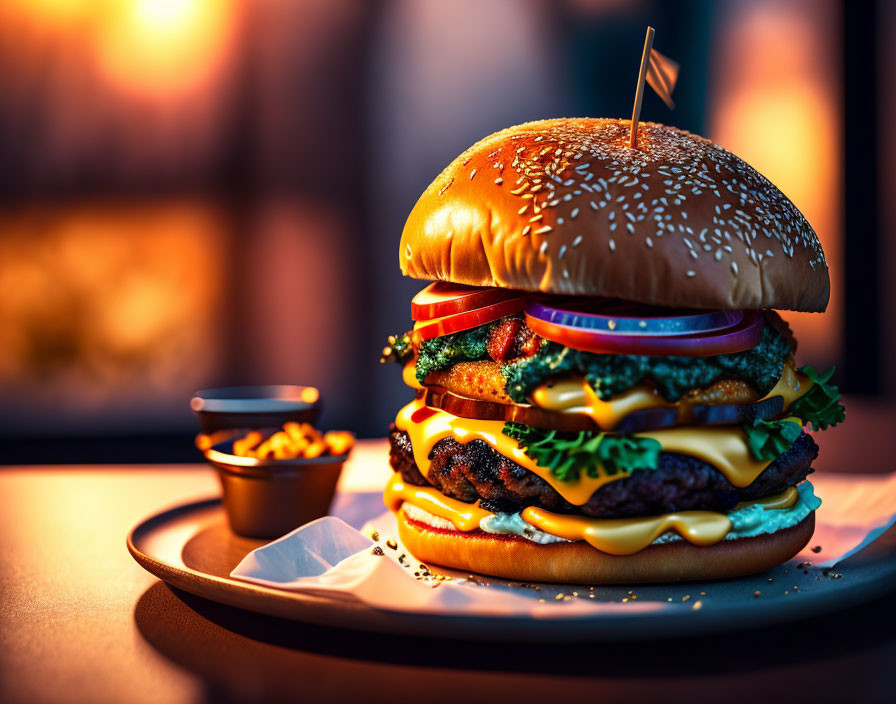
604 391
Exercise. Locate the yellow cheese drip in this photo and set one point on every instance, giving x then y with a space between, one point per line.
785 499
791 385
409 374
438 425
625 536
616 536
577 396
464 516
724 448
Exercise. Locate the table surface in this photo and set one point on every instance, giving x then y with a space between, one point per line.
81 621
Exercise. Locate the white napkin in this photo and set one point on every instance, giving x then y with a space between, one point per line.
328 556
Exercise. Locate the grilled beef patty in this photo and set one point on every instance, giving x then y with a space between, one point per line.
474 471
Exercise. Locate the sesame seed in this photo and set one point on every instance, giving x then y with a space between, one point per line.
612 245
562 252
691 273
472 174
526 230
577 241
499 180
575 211
677 166
543 230
544 247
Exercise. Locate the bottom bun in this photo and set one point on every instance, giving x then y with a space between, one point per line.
579 563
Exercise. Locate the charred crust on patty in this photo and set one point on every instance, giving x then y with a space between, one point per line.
474 471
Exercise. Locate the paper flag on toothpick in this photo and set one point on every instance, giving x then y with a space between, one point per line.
662 73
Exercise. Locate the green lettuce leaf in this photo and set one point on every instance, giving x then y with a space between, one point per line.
820 407
568 455
768 440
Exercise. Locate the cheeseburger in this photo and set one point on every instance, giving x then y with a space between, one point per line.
605 391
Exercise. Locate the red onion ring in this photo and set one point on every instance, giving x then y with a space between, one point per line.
744 336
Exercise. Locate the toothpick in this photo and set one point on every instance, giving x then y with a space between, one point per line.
639 91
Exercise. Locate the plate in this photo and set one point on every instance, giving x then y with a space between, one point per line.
192 548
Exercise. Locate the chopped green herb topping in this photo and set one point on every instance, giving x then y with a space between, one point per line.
398 349
768 440
567 455
442 352
611 374
820 406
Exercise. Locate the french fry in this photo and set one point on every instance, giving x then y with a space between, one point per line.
203 442
284 450
206 441
315 449
339 442
261 451
294 440
243 447
294 431
298 447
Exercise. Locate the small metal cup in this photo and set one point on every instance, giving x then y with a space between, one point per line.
269 498
242 407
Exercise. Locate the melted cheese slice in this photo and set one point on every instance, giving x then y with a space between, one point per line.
625 536
723 447
791 385
576 396
616 536
464 516
409 374
426 426
785 499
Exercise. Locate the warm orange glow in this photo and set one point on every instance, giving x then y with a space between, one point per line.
149 47
59 13
309 394
776 91
164 46
102 306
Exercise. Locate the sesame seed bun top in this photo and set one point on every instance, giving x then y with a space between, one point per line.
565 206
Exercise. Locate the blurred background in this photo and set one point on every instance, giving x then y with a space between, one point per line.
211 192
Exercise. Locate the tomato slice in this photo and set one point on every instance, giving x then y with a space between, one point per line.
450 324
442 298
739 338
